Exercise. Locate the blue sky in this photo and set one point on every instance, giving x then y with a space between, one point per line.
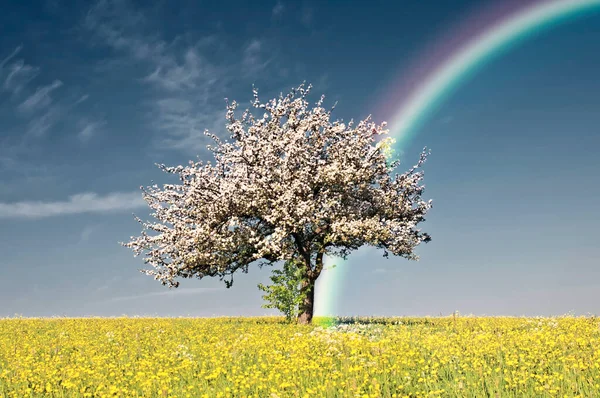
93 94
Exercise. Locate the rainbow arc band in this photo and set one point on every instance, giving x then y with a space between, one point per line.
497 38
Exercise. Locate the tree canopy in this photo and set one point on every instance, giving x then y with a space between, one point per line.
289 184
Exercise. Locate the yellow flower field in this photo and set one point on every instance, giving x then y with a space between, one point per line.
264 357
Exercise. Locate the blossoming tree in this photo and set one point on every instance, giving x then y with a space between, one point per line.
291 185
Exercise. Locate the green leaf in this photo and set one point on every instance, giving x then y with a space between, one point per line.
285 294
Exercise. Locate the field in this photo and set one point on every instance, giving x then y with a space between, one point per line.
264 357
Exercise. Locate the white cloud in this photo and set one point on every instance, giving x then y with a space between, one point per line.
118 25
41 97
76 204
193 73
89 129
81 99
43 110
254 60
254 47
11 56
179 116
179 74
189 77
277 10
17 74
41 124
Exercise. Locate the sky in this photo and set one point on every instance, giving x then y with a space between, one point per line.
93 94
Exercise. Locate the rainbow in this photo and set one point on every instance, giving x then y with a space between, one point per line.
488 33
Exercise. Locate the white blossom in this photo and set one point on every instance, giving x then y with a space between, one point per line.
290 184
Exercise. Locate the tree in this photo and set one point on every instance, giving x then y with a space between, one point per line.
288 185
285 294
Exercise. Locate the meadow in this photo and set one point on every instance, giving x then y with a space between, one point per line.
265 357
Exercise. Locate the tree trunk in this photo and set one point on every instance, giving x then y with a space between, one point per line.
308 288
307 307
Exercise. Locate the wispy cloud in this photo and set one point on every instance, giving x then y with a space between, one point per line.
189 77
81 99
181 118
254 60
41 98
117 23
57 111
41 124
76 204
277 10
16 74
172 67
193 73
180 74
42 109
89 129
11 56
169 293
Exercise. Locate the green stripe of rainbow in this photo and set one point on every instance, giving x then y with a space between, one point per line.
438 85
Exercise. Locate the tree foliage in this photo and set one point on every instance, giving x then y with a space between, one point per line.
289 184
285 294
